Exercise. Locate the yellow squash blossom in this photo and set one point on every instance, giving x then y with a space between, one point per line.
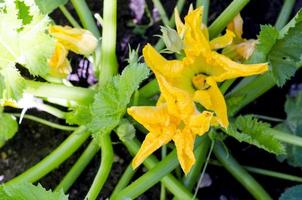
58 63
240 49
164 127
183 84
78 40
201 67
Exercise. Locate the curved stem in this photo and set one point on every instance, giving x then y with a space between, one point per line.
45 122
162 12
105 167
109 66
51 110
78 167
124 180
266 172
54 159
85 16
48 90
69 17
284 14
286 137
226 16
240 173
158 171
206 5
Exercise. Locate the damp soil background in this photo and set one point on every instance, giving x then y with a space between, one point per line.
34 141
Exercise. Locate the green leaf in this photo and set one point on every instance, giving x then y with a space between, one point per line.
248 129
293 125
8 127
23 36
47 6
112 99
292 193
267 38
12 83
125 130
27 191
283 50
80 115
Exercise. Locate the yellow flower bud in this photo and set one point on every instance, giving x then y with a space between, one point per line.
59 65
78 40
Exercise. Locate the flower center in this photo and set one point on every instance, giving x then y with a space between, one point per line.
199 82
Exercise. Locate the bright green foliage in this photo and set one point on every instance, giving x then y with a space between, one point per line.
23 40
8 127
112 99
12 83
80 115
248 129
125 130
282 50
292 193
27 191
47 6
267 38
293 125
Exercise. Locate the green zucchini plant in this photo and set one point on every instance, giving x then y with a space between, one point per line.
192 100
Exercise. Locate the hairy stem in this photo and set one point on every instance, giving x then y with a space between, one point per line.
69 17
240 173
85 16
105 167
54 159
78 167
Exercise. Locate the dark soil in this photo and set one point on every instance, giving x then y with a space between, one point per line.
34 141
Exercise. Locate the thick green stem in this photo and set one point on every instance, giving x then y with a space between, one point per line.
266 172
51 110
286 137
162 12
78 167
284 14
109 66
158 171
105 167
69 17
45 122
85 16
240 173
54 159
48 90
206 5
200 153
124 180
226 16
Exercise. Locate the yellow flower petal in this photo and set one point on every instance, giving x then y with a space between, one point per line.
222 41
179 102
212 99
78 40
158 63
152 142
184 142
236 26
159 122
195 41
180 27
200 123
233 69
59 65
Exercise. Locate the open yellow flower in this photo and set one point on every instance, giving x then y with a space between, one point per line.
58 63
201 67
164 127
78 40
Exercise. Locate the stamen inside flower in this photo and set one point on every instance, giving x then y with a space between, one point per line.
199 82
